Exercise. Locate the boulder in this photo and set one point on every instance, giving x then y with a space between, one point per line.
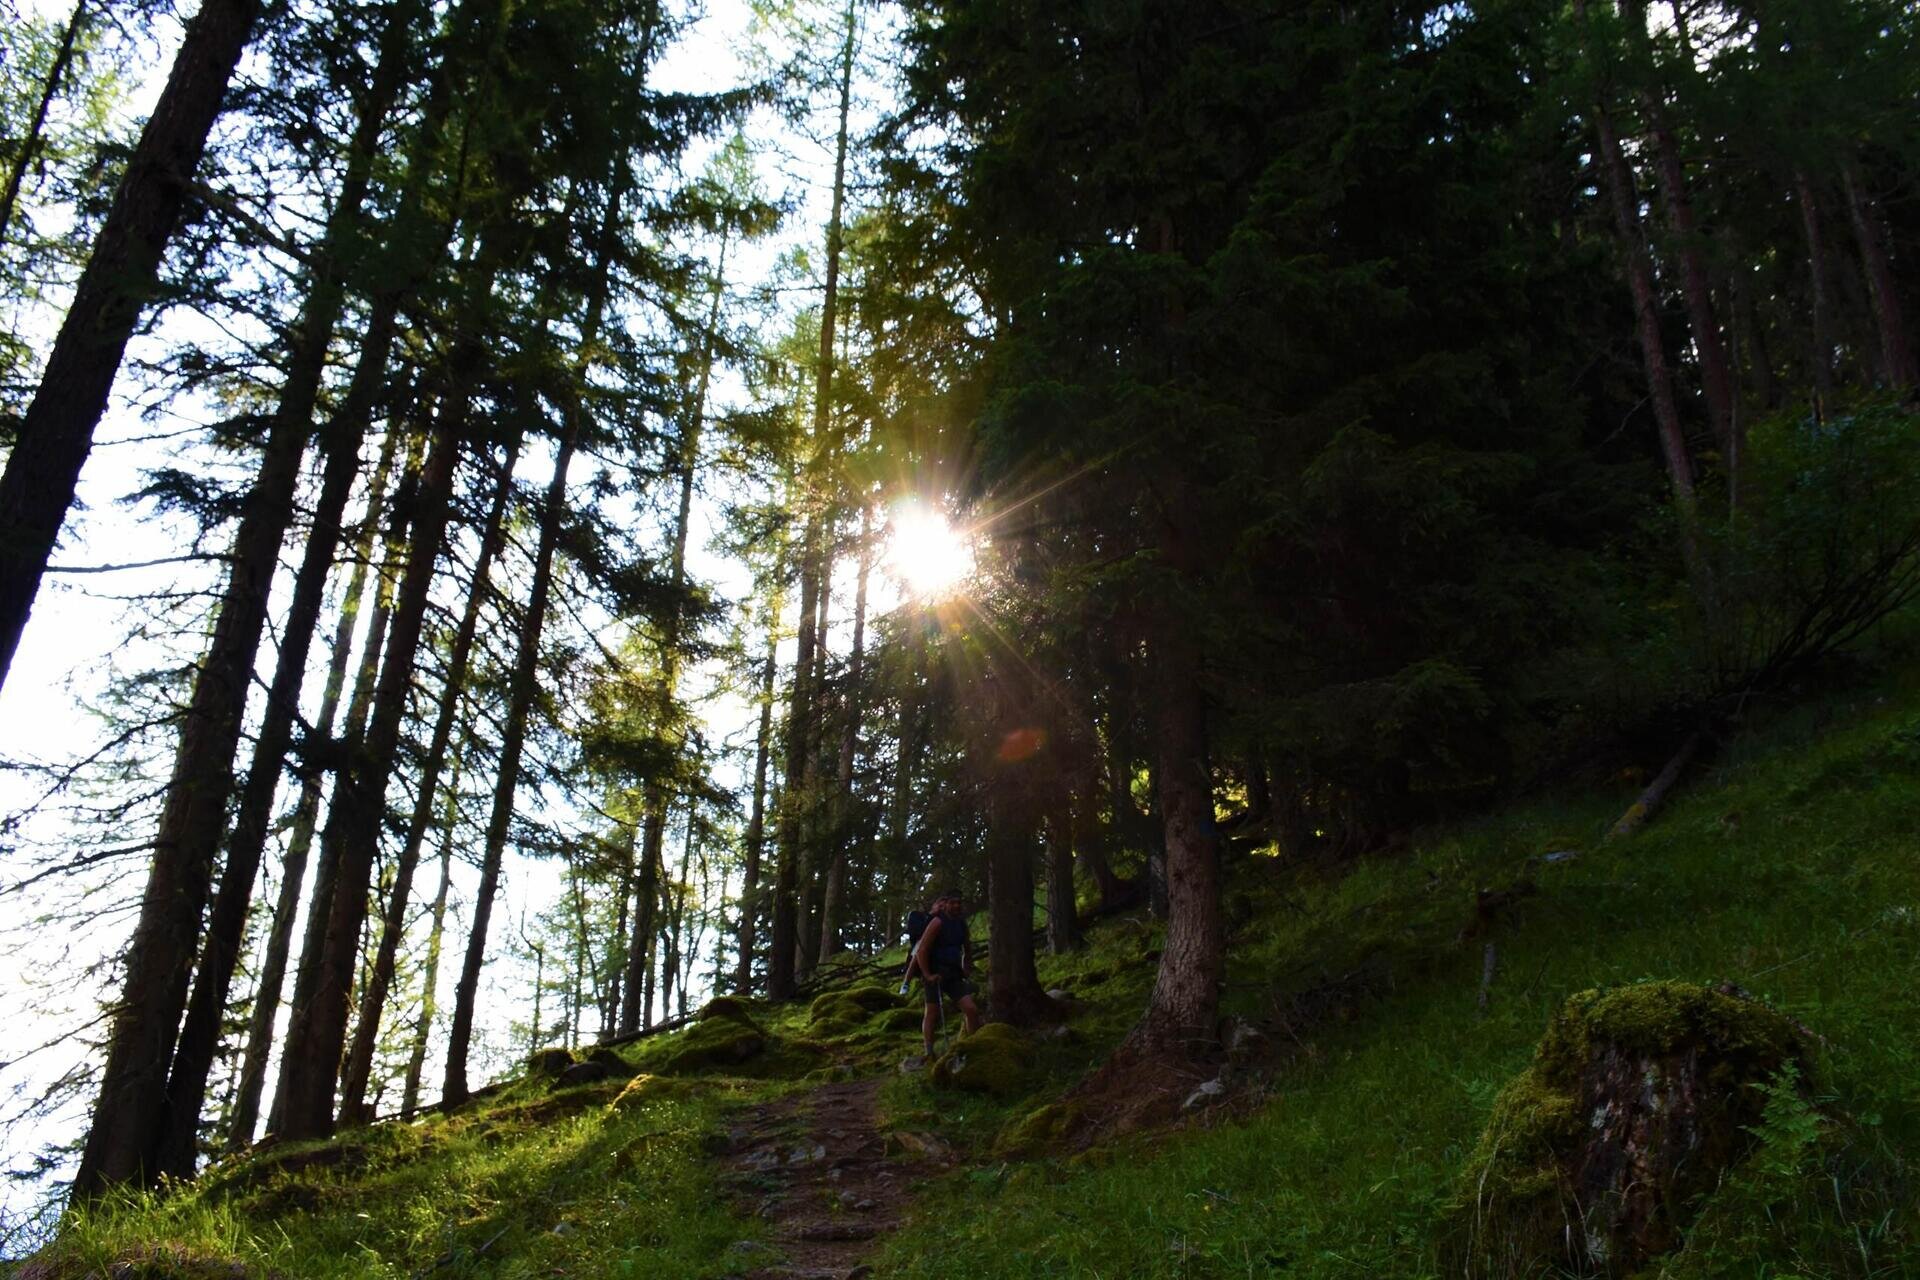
991 1060
1638 1100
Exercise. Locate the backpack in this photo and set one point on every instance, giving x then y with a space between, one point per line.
953 936
917 922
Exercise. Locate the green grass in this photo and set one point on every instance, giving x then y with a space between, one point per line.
1791 866
529 1185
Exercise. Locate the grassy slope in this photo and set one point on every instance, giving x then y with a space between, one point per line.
1792 868
1789 868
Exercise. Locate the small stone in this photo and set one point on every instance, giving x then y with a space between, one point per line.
911 1065
753 1249
563 1228
807 1153
762 1160
1060 993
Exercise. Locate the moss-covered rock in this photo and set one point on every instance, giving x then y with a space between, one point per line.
610 1059
546 1063
643 1089
732 1007
873 998
991 1060
899 1020
715 1042
1037 1130
1595 1157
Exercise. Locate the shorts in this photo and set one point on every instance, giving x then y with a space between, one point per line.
953 984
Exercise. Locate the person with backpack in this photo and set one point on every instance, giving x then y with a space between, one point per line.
943 958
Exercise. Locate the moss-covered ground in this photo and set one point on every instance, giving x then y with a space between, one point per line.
1790 865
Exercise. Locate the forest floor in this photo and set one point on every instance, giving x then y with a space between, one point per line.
1393 1006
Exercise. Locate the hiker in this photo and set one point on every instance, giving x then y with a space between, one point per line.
943 956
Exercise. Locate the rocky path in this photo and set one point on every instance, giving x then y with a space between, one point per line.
818 1169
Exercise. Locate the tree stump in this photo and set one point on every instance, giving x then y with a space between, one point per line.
1596 1157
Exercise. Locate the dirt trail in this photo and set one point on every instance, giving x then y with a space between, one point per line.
816 1166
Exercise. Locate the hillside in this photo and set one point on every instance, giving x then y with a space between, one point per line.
1787 867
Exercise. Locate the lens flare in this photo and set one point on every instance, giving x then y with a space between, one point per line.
927 554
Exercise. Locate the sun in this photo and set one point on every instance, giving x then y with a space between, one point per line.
927 554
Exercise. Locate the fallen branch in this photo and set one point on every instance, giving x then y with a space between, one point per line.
1650 800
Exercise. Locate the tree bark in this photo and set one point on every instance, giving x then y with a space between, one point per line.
1063 921
833 899
786 903
1883 291
393 924
43 472
1181 1013
756 821
1013 985
1819 284
430 979
315 1041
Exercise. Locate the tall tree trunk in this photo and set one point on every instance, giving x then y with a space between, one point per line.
789 932
315 1041
621 1002
326 877
676 925
832 900
393 925
1616 176
1716 379
175 1140
522 685
1819 283
1063 920
756 820
655 796
436 930
1180 1016
513 742
43 471
1751 342
1870 232
266 997
1013 985
30 144
786 887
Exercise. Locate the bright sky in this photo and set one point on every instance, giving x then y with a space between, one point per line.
78 638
